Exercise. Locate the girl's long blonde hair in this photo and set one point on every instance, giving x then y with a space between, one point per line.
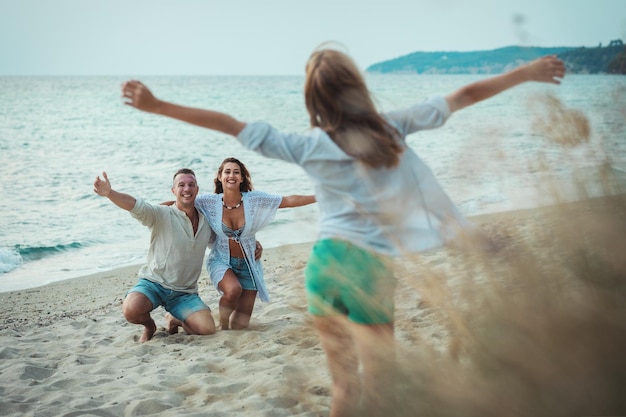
339 103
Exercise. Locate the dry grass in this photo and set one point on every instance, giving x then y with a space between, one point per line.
537 328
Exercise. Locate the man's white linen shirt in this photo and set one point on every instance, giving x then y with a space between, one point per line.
176 255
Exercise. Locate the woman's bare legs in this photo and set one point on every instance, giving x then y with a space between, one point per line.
240 318
231 289
236 304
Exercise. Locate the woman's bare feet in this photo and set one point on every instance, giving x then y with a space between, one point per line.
224 324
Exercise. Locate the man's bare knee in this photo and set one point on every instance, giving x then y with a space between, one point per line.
200 323
205 330
136 307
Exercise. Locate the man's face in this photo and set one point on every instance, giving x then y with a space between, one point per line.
185 189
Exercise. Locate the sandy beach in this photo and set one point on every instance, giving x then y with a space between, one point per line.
66 350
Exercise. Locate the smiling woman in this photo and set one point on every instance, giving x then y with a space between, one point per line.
236 213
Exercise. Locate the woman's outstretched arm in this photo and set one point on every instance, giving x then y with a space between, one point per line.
296 201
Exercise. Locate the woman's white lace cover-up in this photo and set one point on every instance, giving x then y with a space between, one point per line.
259 211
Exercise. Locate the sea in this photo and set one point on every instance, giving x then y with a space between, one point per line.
527 147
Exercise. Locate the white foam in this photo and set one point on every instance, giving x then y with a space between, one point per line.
9 260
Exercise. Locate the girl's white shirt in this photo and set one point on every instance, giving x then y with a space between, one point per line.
390 211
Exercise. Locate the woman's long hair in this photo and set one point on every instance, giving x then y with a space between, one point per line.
339 103
246 185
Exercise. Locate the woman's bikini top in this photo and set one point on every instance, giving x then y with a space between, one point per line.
232 234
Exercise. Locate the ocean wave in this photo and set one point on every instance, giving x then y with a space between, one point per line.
9 260
12 258
33 253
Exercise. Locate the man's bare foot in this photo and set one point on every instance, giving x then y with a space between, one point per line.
148 331
172 323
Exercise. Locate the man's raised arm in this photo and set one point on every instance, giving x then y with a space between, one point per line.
103 188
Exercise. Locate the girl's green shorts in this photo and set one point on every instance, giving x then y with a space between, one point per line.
342 278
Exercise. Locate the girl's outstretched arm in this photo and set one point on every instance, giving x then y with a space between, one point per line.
547 69
137 95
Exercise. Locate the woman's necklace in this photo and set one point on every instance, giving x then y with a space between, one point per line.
232 207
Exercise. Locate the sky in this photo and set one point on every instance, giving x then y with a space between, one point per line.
275 37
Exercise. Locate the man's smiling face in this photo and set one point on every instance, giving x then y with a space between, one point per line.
185 189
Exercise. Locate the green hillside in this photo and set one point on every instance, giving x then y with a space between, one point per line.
595 60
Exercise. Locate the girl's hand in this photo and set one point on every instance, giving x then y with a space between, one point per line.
547 69
137 95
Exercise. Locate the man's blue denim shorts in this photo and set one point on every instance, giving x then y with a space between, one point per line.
179 304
